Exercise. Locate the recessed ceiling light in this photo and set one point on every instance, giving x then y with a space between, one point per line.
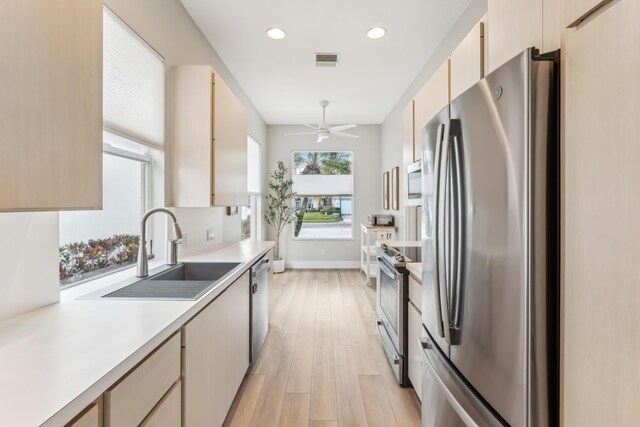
276 33
376 33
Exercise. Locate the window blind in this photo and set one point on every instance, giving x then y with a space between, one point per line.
254 181
133 91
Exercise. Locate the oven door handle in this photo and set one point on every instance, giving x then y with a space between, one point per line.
396 357
383 267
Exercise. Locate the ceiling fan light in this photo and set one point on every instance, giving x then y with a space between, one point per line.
376 33
276 33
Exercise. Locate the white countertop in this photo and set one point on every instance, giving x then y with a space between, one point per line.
56 360
415 268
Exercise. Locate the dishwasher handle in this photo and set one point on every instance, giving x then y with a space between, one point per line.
261 265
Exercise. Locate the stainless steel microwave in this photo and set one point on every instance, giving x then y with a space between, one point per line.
414 184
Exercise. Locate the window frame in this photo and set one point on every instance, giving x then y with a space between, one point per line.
352 195
145 159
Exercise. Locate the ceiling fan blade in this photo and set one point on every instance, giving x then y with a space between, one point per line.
301 133
309 126
344 135
335 129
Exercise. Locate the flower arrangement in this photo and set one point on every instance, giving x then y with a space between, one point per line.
79 260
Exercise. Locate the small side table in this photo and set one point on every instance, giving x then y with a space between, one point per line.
369 234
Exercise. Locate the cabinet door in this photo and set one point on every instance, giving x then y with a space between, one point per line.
230 142
216 356
190 148
467 61
51 105
575 10
415 350
410 147
513 27
601 227
432 98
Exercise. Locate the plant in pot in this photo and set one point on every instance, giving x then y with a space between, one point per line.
279 211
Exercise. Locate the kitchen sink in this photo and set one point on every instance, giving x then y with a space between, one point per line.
196 271
186 281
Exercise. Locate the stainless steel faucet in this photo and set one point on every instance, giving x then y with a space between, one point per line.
172 255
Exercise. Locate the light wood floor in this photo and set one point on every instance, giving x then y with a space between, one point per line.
322 364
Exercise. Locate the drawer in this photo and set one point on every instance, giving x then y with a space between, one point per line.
90 417
133 398
415 292
168 413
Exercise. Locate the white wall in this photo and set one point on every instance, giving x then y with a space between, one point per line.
169 29
29 261
367 198
391 140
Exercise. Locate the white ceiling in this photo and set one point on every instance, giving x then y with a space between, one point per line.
280 76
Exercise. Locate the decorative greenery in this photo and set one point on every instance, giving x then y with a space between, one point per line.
80 258
279 212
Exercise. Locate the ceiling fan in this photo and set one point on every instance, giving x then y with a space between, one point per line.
324 130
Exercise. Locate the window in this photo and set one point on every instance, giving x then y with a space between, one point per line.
323 183
93 243
97 242
250 215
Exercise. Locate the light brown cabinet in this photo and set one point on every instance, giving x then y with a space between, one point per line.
216 356
51 105
134 397
601 337
467 61
168 412
432 98
90 417
415 348
517 25
575 10
207 157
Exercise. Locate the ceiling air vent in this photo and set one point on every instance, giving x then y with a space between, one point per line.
327 59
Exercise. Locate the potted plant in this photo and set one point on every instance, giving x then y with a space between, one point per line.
279 211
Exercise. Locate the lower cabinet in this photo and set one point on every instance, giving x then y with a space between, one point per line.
415 350
90 417
216 356
136 396
168 413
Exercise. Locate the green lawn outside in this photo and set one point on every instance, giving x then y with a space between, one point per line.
320 217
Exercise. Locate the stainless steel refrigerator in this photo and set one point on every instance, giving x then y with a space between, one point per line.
490 241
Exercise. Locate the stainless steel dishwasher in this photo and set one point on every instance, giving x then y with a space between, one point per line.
259 305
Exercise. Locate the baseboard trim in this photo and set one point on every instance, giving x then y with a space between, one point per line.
323 265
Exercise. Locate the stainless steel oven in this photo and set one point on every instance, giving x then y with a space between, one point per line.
392 324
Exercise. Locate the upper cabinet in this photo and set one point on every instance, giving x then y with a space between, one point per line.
410 146
208 149
576 10
51 105
432 98
467 61
517 25
601 95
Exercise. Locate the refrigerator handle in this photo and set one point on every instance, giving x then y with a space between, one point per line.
442 229
438 218
469 406
459 239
